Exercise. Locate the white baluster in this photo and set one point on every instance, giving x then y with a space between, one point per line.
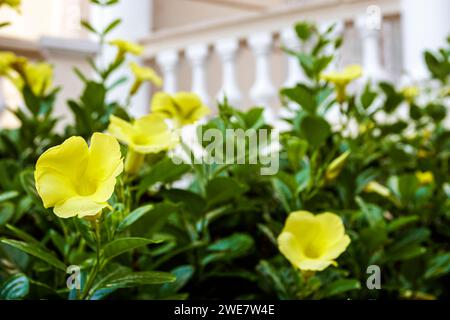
425 26
168 62
371 50
227 51
295 73
197 55
263 91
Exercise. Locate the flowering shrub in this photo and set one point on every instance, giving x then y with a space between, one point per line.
105 220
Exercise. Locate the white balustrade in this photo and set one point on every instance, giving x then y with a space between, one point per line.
263 91
227 50
370 33
198 55
168 62
426 25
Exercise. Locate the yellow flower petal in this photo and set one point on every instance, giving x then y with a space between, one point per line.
162 103
145 74
121 129
312 242
183 107
105 158
127 47
77 180
53 187
149 134
78 206
68 159
426 177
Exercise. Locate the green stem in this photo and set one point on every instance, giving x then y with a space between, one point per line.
96 269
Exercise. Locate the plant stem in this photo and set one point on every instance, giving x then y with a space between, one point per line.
96 269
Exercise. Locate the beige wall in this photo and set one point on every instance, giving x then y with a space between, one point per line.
45 17
176 13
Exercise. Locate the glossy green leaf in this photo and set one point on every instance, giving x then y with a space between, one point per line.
36 251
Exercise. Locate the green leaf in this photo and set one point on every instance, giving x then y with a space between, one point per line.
15 288
315 129
6 212
303 96
183 274
393 98
367 97
401 222
303 30
340 286
112 26
122 245
140 278
405 253
164 171
94 96
223 189
134 216
88 26
22 235
436 111
8 195
270 272
28 184
438 266
229 248
36 251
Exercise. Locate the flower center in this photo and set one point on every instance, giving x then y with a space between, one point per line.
313 251
85 187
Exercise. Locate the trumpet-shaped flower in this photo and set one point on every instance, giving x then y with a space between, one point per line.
143 74
183 107
39 76
127 47
6 59
375 187
426 177
149 134
336 166
342 79
15 4
313 242
410 93
78 180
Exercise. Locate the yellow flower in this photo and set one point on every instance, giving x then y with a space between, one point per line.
142 74
342 79
183 107
39 76
78 180
375 187
6 59
15 4
149 134
127 47
422 154
313 242
425 177
336 166
409 93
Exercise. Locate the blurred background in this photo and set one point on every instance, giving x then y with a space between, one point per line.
217 47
